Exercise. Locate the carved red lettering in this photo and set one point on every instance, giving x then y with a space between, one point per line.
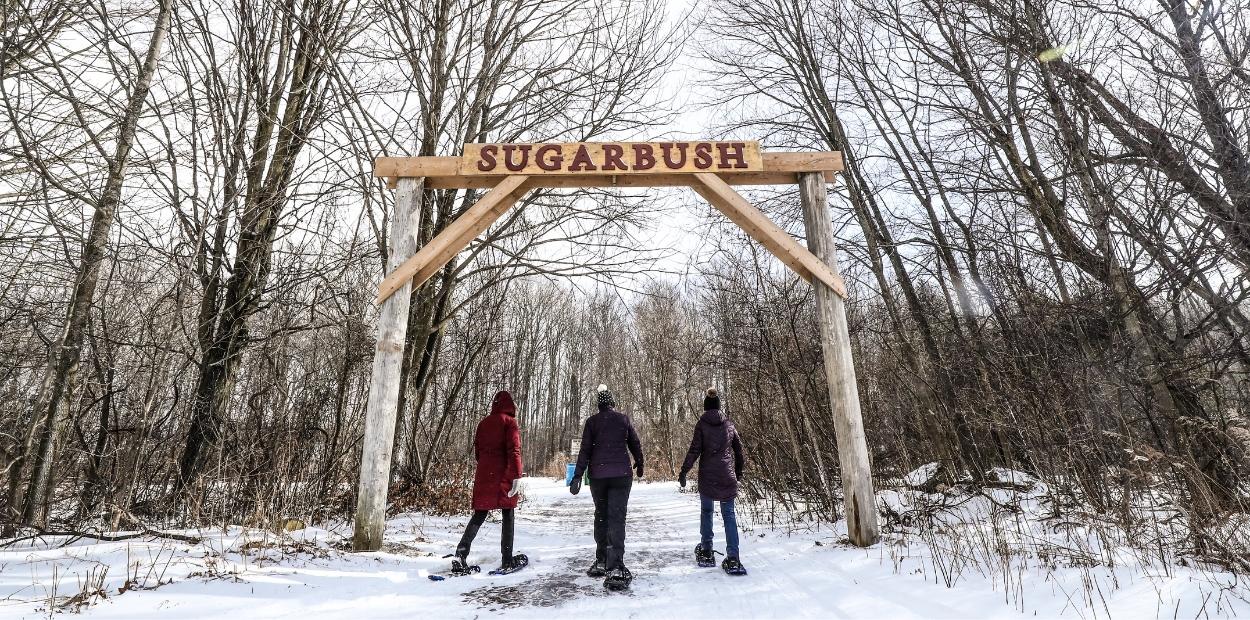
612 157
667 148
508 149
644 157
582 160
738 153
549 163
487 161
703 156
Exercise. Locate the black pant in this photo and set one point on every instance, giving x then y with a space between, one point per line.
611 497
470 532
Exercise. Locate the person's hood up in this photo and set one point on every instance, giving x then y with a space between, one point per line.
503 404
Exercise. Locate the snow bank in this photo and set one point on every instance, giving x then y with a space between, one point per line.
932 563
922 476
1012 477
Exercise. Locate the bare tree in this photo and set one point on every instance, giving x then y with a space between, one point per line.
280 92
104 201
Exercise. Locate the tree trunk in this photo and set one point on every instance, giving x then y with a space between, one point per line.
69 348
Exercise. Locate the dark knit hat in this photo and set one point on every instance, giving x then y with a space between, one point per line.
712 400
604 396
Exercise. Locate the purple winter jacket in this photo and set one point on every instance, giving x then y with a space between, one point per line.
719 451
608 439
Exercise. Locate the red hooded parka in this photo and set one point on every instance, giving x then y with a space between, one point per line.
497 448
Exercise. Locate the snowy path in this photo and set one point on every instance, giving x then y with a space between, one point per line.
792 576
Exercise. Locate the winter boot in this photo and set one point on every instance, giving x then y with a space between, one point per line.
733 566
459 565
512 565
598 569
618 579
704 556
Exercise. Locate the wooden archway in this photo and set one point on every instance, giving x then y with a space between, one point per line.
510 170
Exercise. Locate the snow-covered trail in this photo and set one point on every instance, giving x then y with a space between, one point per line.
789 578
804 574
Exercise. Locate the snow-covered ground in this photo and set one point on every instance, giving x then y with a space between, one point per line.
795 573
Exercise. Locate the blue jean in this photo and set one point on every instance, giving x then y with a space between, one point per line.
707 505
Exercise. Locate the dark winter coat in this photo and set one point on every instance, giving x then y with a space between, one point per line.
497 448
608 440
719 451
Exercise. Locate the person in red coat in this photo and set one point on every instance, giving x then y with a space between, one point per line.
496 483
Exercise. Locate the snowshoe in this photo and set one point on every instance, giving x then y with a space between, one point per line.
705 557
598 569
459 568
733 566
518 562
618 579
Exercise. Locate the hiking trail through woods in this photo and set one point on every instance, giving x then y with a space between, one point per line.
799 572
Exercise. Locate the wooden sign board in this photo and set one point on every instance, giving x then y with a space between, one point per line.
611 158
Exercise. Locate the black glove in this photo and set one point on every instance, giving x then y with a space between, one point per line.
738 474
638 468
575 485
681 479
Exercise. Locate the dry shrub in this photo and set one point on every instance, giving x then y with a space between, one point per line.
555 467
445 497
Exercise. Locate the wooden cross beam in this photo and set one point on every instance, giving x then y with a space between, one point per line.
460 233
456 237
451 173
509 170
762 229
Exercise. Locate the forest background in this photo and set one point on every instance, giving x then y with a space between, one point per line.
1044 225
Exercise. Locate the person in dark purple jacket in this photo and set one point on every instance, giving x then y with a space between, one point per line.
608 441
718 449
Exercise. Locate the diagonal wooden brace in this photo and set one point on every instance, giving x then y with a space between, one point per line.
716 191
456 237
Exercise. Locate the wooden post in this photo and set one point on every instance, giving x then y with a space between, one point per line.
861 506
381 411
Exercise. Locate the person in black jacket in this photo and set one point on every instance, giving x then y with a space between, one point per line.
718 449
608 441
